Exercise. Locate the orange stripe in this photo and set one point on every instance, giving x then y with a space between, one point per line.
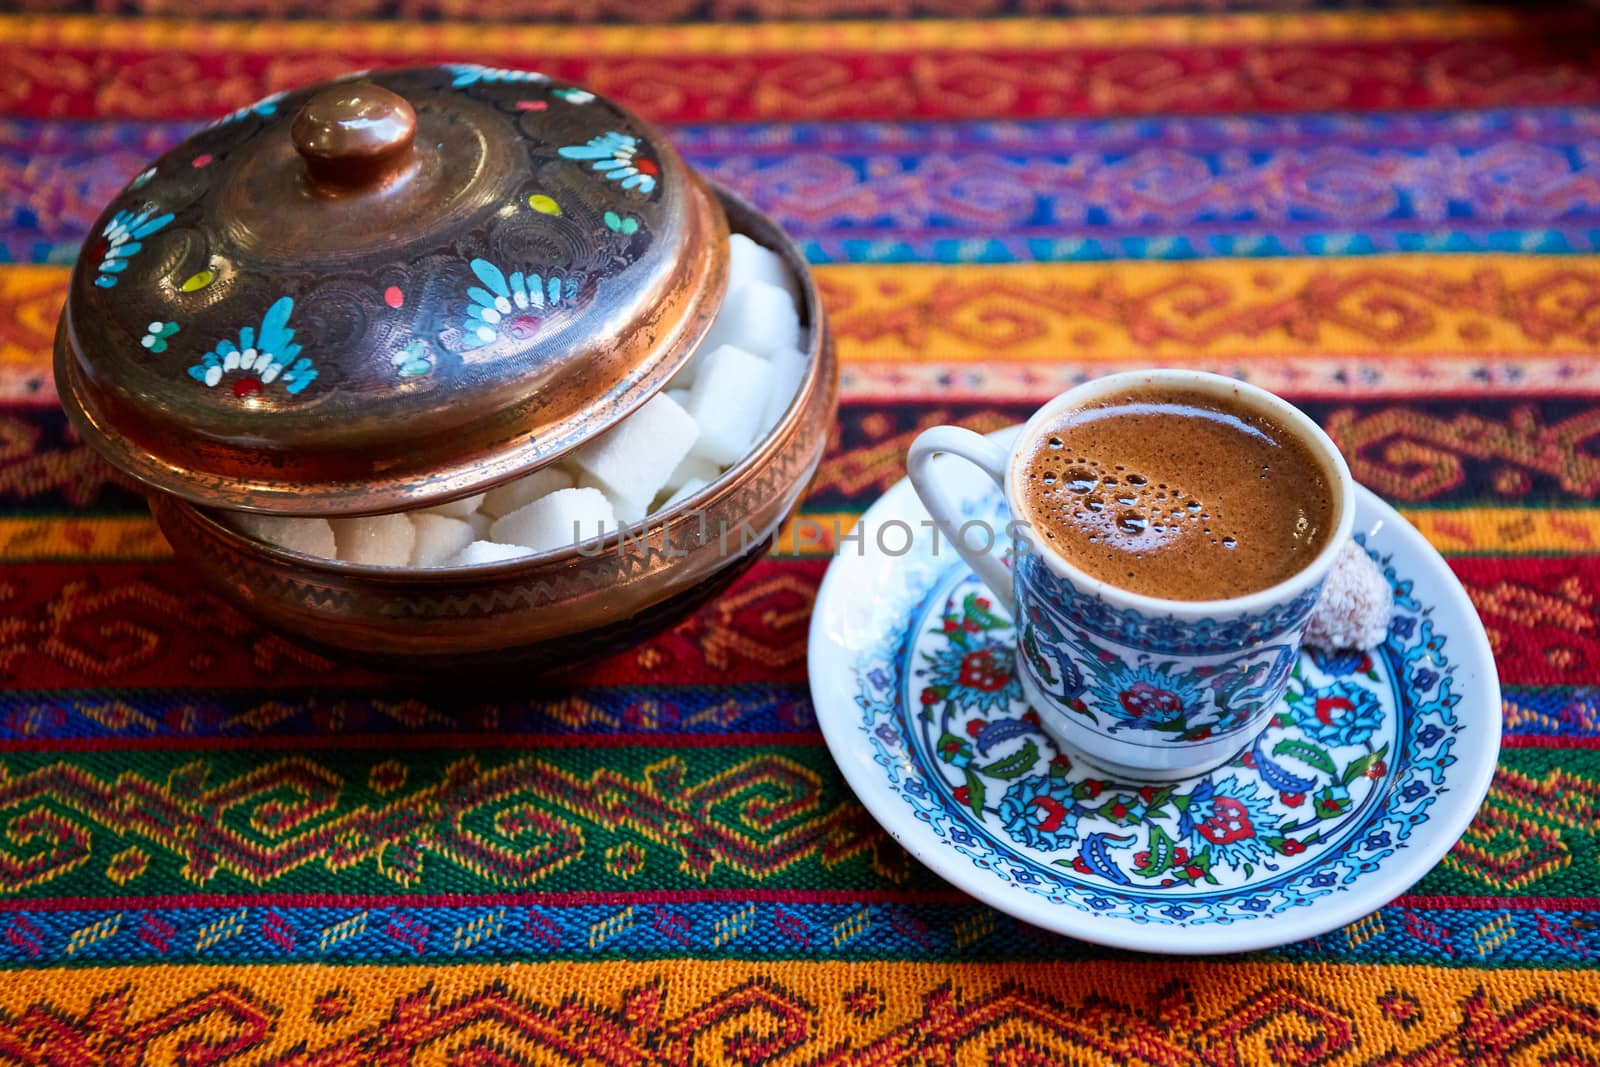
583 41
1149 1013
1375 308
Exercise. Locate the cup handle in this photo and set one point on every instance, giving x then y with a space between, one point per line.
946 509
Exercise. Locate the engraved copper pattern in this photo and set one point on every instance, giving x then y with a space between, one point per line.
523 610
387 290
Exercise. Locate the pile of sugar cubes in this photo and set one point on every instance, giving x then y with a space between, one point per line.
729 396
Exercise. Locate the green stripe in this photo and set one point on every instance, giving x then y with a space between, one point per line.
490 820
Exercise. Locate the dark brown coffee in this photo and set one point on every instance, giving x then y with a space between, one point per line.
1178 494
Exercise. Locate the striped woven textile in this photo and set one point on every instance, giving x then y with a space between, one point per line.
219 849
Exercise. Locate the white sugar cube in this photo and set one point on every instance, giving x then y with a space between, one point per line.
456 509
439 538
504 499
758 317
629 510
480 524
562 518
748 262
679 397
379 540
728 400
788 371
685 491
486 552
693 469
631 461
752 315
314 537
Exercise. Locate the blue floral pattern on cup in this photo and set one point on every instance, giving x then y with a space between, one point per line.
1159 678
1158 633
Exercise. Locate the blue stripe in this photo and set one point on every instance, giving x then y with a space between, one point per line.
1062 190
1544 125
1554 712
1507 937
168 714
1177 249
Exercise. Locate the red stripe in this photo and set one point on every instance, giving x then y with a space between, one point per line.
626 739
668 896
409 741
102 624
676 896
1423 903
1539 612
1547 741
129 625
1540 68
491 900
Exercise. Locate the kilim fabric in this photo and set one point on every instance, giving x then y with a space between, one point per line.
217 848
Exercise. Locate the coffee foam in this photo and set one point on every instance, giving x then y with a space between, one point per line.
1177 494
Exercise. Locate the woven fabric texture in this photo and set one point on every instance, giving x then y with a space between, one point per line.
218 848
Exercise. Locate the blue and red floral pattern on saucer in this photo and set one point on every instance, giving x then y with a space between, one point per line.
1370 770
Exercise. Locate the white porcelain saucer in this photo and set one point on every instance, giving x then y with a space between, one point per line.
1365 779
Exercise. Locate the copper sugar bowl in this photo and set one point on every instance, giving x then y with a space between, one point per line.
273 319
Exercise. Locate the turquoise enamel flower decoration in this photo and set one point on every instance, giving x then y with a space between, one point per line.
465 74
616 157
414 361
156 335
627 225
260 358
121 239
264 108
515 305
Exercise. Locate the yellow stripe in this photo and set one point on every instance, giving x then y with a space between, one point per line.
402 39
1391 306
1342 379
122 537
721 1011
1511 531
817 534
30 303
1369 307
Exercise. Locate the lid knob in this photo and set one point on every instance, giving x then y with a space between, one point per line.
353 135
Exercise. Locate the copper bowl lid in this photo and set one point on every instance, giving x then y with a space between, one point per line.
387 290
